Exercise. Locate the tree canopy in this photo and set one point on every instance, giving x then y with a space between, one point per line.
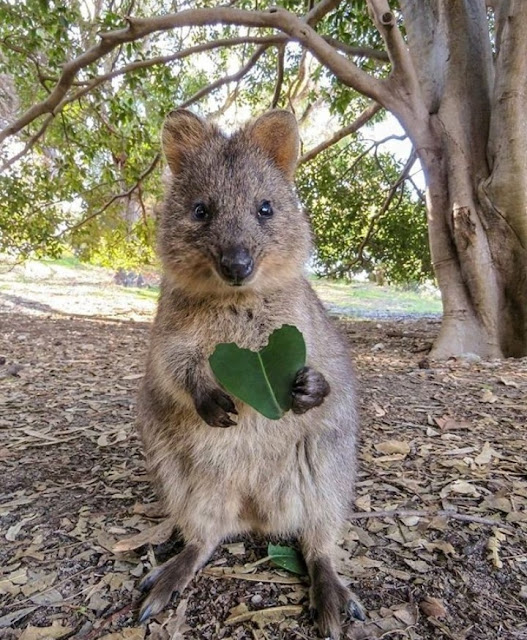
92 175
85 87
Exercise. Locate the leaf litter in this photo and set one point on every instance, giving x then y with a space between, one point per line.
436 546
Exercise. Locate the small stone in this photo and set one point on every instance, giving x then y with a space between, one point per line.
469 357
378 347
257 599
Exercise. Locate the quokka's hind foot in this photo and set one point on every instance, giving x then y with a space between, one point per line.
331 601
170 579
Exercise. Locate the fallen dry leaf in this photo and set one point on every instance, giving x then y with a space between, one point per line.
488 396
263 617
134 633
43 633
461 487
486 454
433 607
262 576
393 446
153 535
15 529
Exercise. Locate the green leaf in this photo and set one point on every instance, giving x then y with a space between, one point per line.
287 558
262 379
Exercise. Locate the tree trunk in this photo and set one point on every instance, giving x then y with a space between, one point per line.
472 147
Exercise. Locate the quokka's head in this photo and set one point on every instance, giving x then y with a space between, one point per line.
231 221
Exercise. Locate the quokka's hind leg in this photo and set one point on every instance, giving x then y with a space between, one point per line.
330 600
172 577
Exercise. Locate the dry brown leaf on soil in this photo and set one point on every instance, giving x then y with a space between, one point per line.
487 452
386 623
447 423
15 529
11 618
134 633
364 503
379 411
393 446
43 633
494 545
508 382
461 487
236 548
263 617
418 565
488 397
433 607
239 573
153 535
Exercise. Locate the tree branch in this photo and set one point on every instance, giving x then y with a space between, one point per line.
29 144
150 62
405 97
320 10
42 77
359 52
279 77
444 513
143 64
361 120
296 28
385 206
386 24
118 196
234 77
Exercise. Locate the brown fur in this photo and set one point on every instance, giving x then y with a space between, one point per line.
288 477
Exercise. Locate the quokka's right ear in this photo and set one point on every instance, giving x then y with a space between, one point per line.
182 132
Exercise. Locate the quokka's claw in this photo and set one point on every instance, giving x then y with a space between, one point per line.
355 610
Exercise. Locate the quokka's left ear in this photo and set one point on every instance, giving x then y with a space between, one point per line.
276 133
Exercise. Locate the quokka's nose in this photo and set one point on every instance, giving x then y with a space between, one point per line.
236 264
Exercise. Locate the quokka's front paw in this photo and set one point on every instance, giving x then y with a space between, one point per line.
309 390
214 406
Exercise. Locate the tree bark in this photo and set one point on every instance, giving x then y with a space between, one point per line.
472 147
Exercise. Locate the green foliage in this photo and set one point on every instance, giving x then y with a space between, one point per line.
262 379
91 181
287 558
343 190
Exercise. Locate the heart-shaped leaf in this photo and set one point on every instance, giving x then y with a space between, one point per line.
262 379
287 558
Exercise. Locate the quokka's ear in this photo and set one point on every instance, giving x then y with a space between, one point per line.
276 133
182 132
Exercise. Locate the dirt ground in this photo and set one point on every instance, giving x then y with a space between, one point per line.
442 445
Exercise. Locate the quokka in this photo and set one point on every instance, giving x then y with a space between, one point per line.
233 241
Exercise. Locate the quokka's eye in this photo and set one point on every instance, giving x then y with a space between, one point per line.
265 210
200 212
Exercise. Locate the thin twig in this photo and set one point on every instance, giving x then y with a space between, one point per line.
359 52
234 77
446 513
361 120
373 220
276 18
320 10
151 62
279 76
118 196
29 144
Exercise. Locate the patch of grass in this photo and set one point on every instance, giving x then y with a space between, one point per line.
364 297
66 261
150 294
